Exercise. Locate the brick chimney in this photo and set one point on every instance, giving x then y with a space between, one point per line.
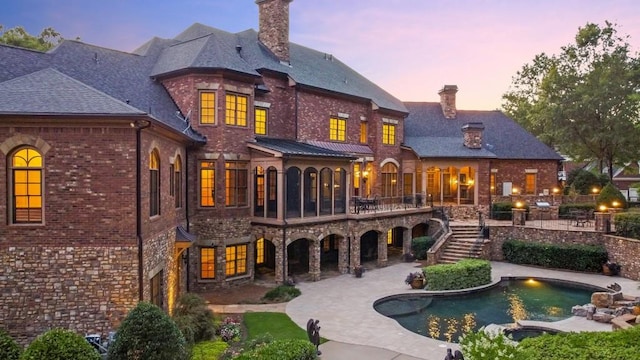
472 135
448 100
274 26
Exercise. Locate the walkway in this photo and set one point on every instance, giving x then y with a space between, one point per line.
344 306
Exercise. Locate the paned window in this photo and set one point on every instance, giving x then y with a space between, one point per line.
177 182
207 183
260 251
337 129
389 180
236 257
236 110
363 132
207 263
207 108
492 186
388 134
236 183
154 183
156 290
261 121
26 175
530 183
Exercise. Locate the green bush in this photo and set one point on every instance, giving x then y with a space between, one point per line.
565 209
282 293
583 181
609 195
420 245
503 210
147 333
464 274
9 348
207 350
618 345
289 349
572 256
628 225
194 319
60 344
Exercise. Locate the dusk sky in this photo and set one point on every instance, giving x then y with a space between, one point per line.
411 48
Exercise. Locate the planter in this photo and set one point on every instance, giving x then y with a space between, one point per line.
358 271
417 283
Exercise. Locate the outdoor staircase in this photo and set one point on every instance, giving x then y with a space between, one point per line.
461 245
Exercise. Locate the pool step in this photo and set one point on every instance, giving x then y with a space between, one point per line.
463 244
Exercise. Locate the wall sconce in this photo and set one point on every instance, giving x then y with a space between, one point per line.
514 191
556 190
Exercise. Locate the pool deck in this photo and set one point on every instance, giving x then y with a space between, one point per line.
344 306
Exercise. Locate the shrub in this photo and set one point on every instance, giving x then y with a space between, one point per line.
503 210
565 209
9 348
464 274
282 293
420 245
288 349
194 319
147 333
583 181
60 344
207 350
490 346
572 256
609 195
628 225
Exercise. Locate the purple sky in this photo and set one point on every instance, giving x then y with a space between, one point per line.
411 48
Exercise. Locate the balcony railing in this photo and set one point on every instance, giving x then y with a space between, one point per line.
372 204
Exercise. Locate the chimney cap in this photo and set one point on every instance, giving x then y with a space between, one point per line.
448 89
473 126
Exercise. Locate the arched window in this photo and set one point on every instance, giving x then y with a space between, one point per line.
389 180
154 183
310 192
272 192
177 181
26 176
340 191
326 183
259 191
293 192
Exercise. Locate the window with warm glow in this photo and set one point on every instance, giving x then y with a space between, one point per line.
261 121
407 184
492 184
236 256
26 175
530 183
207 183
177 182
260 251
236 110
259 186
207 263
389 180
337 129
236 183
356 179
154 183
363 132
389 134
207 108
390 237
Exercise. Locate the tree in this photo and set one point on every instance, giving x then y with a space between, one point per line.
18 36
584 101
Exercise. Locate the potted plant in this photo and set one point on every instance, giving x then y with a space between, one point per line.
415 279
358 270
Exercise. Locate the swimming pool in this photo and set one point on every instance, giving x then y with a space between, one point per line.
446 316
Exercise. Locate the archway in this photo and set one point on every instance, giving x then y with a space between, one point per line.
330 255
395 237
369 246
298 258
265 260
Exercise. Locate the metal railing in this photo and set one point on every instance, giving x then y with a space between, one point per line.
375 203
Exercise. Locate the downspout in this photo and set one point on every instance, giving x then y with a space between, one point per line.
284 226
138 205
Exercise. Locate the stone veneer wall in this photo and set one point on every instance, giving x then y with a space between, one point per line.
625 252
85 289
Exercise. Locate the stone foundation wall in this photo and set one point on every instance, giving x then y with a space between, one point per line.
85 289
624 252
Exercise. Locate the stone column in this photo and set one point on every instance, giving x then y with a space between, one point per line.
406 241
518 216
343 255
382 249
314 259
603 221
355 252
281 261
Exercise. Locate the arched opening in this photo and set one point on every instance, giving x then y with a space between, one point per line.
272 192
421 229
298 257
310 192
395 238
369 246
265 260
326 181
330 254
389 180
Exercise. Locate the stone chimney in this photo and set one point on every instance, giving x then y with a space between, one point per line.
472 135
448 101
274 26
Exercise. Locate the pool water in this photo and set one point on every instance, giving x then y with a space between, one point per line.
447 317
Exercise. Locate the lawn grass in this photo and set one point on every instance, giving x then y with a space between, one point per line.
279 325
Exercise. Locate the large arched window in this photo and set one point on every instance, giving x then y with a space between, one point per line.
154 183
259 191
293 192
310 192
326 183
340 191
389 180
26 176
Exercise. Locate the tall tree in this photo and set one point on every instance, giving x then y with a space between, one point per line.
584 101
18 36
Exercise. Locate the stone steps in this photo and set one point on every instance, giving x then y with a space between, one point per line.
462 245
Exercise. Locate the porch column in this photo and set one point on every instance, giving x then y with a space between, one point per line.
406 241
382 249
281 261
314 260
282 196
423 184
343 255
355 252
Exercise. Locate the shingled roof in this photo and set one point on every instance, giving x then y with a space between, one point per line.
430 134
292 148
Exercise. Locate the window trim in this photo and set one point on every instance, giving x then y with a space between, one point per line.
337 129
213 263
236 120
177 182
211 182
240 186
263 122
12 185
388 134
211 108
154 183
236 260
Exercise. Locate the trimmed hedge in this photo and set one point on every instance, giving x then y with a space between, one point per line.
571 257
628 225
618 345
420 245
60 344
9 348
282 293
609 195
565 209
464 274
289 349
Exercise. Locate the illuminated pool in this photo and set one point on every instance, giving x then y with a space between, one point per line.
447 316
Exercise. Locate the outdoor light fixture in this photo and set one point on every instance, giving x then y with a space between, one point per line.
595 190
615 204
519 204
602 208
556 190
